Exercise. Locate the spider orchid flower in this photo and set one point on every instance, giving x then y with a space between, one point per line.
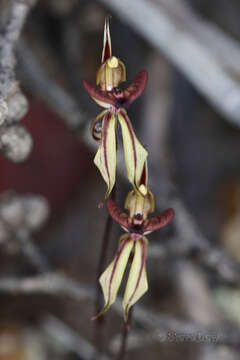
137 225
114 100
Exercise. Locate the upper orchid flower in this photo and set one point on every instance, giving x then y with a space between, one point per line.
137 225
114 100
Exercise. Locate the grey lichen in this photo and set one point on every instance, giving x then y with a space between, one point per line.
15 143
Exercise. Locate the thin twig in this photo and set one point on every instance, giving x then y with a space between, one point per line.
49 284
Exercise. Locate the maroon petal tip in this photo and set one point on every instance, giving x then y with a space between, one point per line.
95 92
136 88
160 221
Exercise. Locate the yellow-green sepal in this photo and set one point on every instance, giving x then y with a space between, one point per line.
137 283
105 158
134 153
111 279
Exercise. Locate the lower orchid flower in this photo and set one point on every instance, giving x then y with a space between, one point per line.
137 225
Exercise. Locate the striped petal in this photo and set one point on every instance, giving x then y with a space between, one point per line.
105 158
137 283
134 153
111 279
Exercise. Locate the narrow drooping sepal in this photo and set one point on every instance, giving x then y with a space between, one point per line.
117 214
107 45
137 283
134 153
105 158
111 279
159 221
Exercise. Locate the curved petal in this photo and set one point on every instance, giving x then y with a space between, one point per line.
159 221
117 214
111 279
137 283
102 98
136 88
134 153
105 158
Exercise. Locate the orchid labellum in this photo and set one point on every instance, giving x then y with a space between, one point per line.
114 100
137 224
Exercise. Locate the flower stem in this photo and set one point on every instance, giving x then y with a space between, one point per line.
123 347
99 322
